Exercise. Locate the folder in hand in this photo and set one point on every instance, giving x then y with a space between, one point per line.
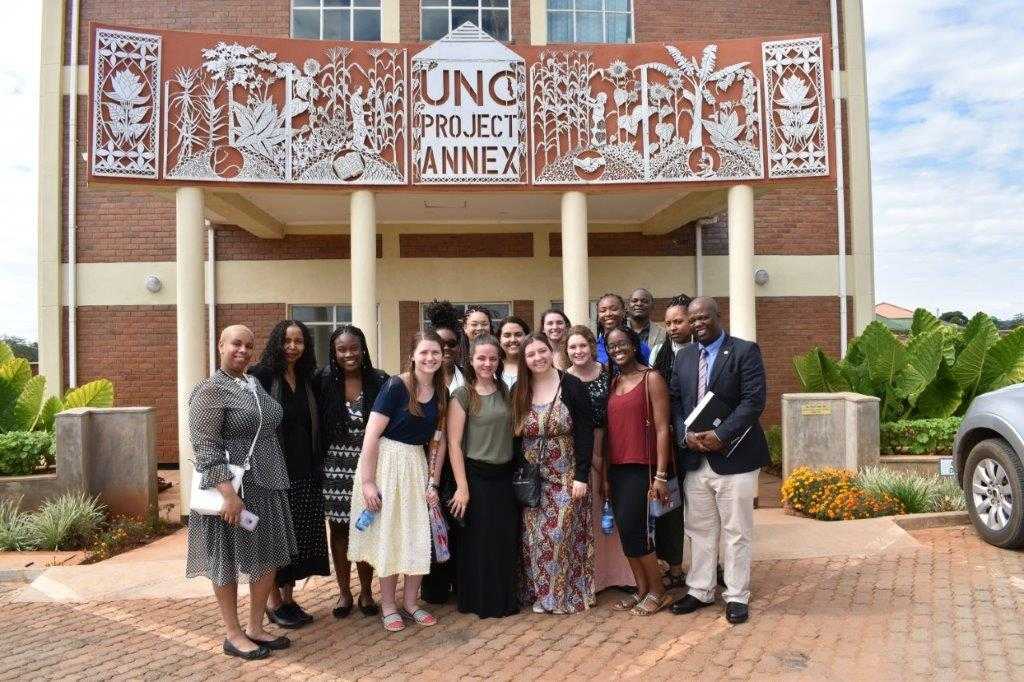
709 413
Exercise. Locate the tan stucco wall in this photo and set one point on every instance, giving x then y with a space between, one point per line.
327 282
49 225
857 138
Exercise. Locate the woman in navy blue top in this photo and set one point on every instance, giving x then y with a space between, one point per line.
395 483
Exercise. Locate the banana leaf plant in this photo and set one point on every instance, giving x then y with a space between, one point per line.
23 406
937 372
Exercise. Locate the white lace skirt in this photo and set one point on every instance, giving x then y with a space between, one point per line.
398 540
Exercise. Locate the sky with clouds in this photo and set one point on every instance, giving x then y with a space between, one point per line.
945 81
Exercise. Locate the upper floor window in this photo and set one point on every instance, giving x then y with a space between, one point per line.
438 17
590 21
336 19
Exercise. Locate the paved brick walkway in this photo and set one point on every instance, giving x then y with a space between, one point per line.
950 609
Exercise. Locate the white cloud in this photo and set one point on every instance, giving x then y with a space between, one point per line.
945 81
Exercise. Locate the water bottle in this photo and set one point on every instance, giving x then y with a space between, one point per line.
366 518
607 519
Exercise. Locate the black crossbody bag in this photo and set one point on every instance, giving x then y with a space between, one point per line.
526 478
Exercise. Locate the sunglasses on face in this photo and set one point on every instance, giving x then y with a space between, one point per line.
450 343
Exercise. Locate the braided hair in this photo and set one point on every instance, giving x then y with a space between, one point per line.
663 361
332 385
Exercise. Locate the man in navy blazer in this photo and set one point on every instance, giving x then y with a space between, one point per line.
721 465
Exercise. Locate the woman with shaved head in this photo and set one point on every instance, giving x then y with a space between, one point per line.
232 420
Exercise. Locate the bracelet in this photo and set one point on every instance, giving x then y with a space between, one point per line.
660 478
663 474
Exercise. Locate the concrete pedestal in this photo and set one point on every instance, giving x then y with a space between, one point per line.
829 430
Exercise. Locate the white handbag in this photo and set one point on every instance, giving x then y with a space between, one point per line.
210 501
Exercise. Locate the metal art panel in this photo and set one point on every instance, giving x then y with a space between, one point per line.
794 82
126 104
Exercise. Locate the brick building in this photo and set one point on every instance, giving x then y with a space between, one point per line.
330 248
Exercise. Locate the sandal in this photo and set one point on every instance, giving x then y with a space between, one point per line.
342 610
370 609
672 582
627 604
420 616
393 622
642 609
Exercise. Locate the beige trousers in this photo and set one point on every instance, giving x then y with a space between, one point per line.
719 508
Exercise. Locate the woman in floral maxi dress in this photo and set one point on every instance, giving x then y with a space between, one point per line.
554 429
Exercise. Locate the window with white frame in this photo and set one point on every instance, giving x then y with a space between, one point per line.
499 310
336 19
590 21
322 320
438 17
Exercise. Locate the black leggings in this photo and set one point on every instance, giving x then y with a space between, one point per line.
629 484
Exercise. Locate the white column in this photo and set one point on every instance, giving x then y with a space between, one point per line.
191 319
363 223
575 269
742 316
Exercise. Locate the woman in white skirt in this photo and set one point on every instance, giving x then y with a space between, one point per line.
393 472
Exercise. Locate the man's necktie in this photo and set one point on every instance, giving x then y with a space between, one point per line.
702 374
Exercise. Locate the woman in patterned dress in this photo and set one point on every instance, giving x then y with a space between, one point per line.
610 566
229 416
348 386
554 428
285 371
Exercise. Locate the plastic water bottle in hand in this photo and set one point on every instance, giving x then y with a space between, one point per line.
366 518
607 519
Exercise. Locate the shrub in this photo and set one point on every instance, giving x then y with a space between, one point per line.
65 522
919 436
14 530
123 533
22 452
857 503
812 492
918 494
774 436
914 492
948 496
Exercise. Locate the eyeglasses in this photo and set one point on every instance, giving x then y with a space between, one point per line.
620 346
450 343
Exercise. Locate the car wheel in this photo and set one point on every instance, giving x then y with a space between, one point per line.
992 481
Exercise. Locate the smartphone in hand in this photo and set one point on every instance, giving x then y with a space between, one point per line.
248 520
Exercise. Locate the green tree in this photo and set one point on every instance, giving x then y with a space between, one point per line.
954 317
22 348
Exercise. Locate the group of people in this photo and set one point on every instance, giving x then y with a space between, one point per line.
480 407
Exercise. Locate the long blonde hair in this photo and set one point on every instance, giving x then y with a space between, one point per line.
412 383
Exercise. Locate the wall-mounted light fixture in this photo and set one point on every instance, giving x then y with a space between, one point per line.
760 277
153 284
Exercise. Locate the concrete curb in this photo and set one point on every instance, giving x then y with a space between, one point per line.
934 520
20 575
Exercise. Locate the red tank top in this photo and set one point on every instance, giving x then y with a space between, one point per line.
626 424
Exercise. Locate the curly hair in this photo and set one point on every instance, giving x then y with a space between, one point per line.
443 315
272 359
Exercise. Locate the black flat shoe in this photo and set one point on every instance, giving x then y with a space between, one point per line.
275 644
370 609
342 611
254 655
298 613
281 616
736 612
688 604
